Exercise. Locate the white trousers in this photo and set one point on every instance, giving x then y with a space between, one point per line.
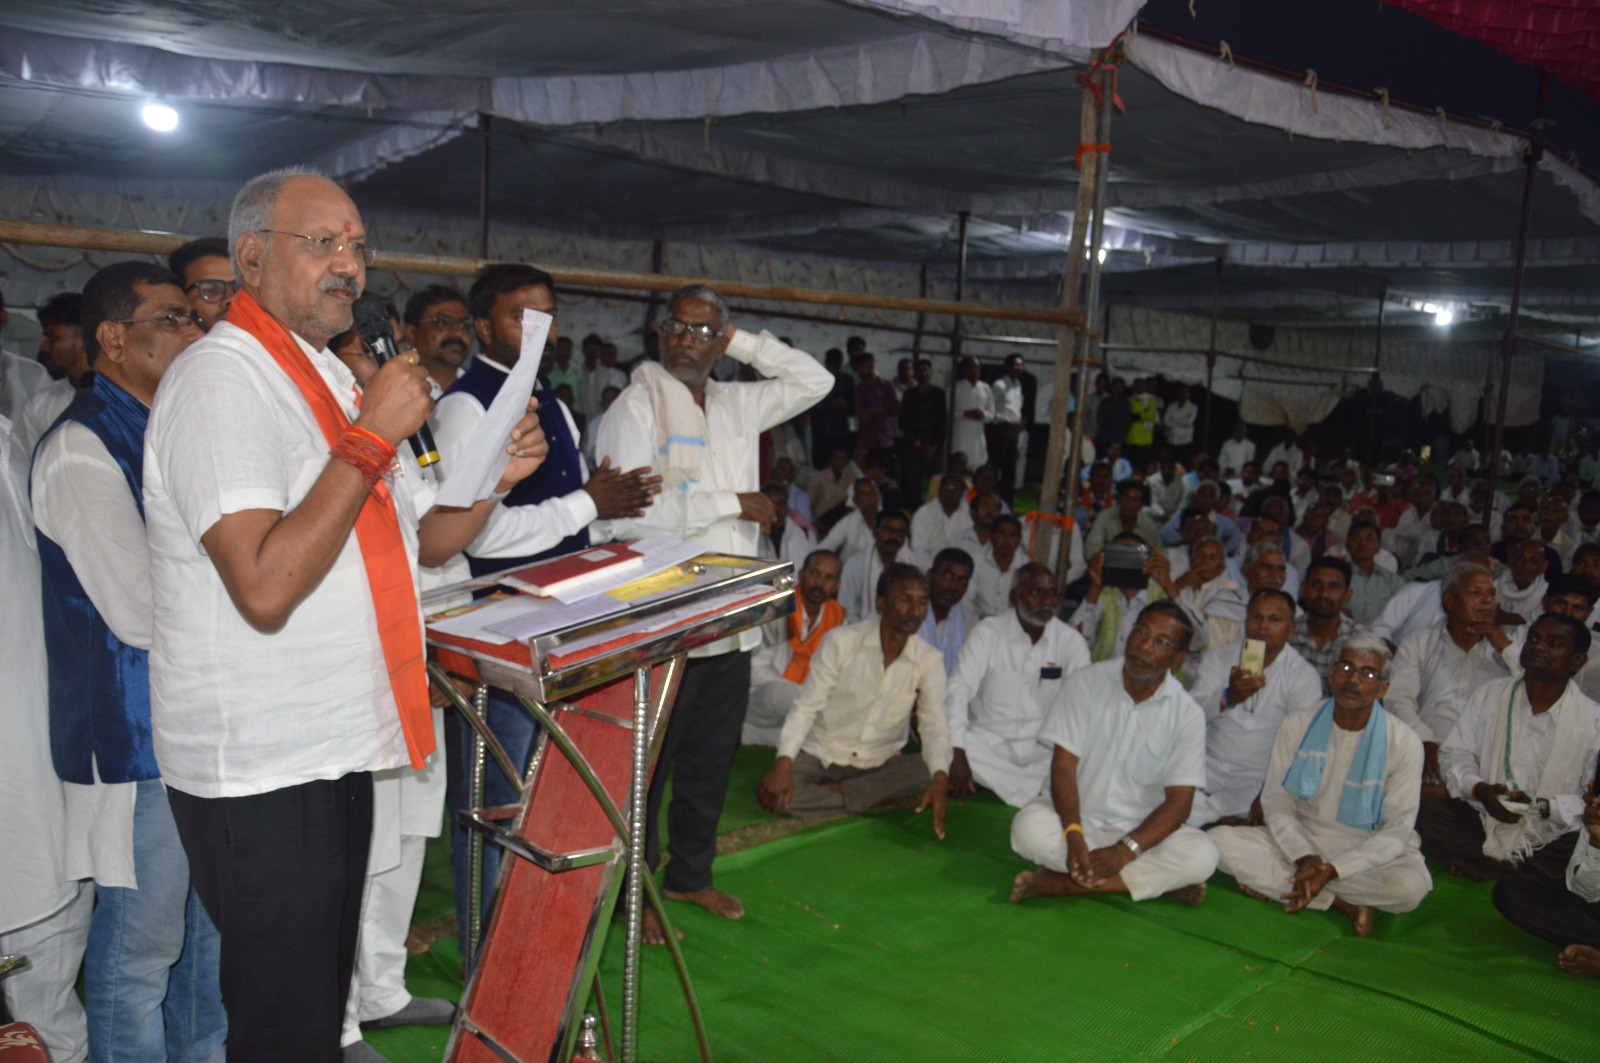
41 994
378 988
996 766
1183 858
1251 855
769 706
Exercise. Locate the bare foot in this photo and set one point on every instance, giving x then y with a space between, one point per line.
420 939
712 900
1580 959
1360 916
1257 894
1190 896
651 932
1040 882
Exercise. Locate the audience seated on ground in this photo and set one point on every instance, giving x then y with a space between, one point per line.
1264 568
1009 674
949 617
1244 703
1128 756
1268 529
789 539
779 666
858 580
1128 514
1340 803
936 523
1323 625
840 747
1107 614
1371 585
1205 580
1570 595
1519 590
1564 911
1515 762
852 533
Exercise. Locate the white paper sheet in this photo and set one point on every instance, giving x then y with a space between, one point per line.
662 621
548 614
474 624
475 471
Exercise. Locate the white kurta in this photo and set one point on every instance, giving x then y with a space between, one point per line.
1432 678
1239 738
1003 685
852 535
1382 868
932 529
20 379
858 582
966 437
1413 607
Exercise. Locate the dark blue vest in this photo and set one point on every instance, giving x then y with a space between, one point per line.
560 475
99 685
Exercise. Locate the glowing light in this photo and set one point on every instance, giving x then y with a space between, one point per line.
160 117
1443 316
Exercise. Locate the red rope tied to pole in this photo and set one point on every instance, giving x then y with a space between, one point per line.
1086 148
1064 521
1087 80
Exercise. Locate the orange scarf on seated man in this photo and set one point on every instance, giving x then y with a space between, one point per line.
800 648
383 548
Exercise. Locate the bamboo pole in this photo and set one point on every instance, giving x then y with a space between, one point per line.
153 243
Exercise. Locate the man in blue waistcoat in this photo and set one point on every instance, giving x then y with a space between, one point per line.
150 970
552 512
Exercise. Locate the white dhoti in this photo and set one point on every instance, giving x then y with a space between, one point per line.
42 994
1183 858
1211 805
1252 857
1015 769
769 706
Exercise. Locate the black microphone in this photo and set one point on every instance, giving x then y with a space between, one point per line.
372 322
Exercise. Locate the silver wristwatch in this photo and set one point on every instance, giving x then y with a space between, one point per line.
1133 846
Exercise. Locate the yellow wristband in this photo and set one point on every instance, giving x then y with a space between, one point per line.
1073 827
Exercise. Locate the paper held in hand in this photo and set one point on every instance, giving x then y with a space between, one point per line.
475 471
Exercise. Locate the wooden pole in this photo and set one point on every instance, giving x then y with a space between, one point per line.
1509 346
137 242
955 338
485 136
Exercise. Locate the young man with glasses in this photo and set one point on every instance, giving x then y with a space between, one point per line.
438 325
1340 803
1129 753
205 273
702 435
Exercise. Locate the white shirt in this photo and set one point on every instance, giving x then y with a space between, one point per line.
1588 677
736 414
1304 827
33 880
1432 678
858 581
1239 737
20 379
1293 457
40 411
967 435
849 537
796 546
999 687
81 501
1086 618
1127 754
1467 754
1007 396
1407 535
991 587
595 381
932 529
1466 458
512 531
855 712
1412 608
1583 870
1178 420
1233 454
1527 602
235 711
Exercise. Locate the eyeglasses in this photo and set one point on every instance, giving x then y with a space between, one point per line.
213 291
174 322
445 322
1160 640
1345 668
323 246
673 326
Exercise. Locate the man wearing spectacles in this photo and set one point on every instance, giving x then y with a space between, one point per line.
148 982
703 436
438 325
206 274
1129 749
1339 803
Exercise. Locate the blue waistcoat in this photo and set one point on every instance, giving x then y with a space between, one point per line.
560 475
99 685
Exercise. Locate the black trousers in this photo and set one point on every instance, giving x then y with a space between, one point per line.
1452 833
1003 458
281 875
1545 908
697 755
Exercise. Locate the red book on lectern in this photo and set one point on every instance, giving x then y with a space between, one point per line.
549 578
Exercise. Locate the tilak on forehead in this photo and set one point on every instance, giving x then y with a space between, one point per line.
347 225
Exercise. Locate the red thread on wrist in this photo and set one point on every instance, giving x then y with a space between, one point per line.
365 451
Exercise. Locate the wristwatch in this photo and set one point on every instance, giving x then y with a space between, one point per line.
1133 846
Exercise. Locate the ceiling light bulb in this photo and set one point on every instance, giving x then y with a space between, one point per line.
1101 255
1443 316
160 117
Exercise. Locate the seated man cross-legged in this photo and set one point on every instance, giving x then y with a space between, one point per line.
1340 803
779 667
840 747
1565 913
1129 754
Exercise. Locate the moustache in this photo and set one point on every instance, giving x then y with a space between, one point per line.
340 284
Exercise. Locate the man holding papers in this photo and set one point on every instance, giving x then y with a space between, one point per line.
702 435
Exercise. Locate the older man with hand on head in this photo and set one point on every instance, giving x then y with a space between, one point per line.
1339 804
1129 753
287 661
703 436
840 747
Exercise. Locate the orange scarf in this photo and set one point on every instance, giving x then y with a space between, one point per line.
802 648
383 549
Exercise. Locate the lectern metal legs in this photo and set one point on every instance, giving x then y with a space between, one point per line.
480 715
638 785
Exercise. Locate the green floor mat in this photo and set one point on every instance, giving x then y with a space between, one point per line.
868 940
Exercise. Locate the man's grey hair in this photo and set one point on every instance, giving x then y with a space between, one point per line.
706 294
1366 642
253 206
1259 550
1458 574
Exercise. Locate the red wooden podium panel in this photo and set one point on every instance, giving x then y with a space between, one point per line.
546 924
